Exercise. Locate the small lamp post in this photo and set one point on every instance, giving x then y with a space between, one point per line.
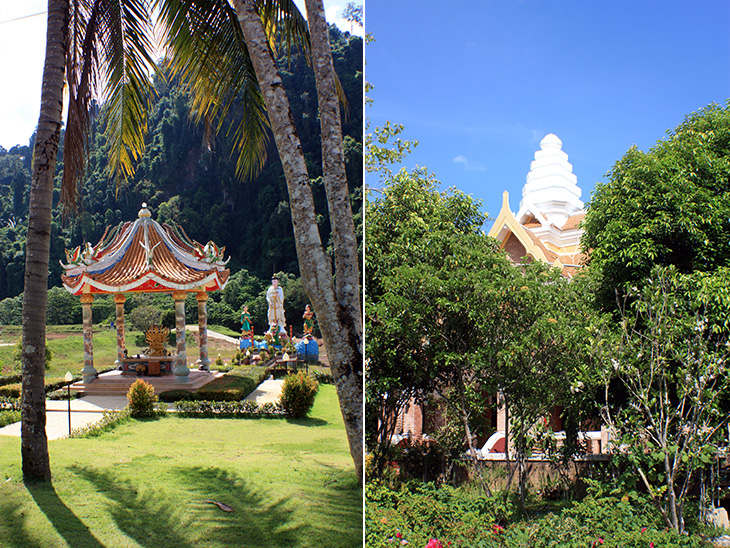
68 378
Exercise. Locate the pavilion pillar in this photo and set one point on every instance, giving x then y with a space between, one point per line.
119 300
203 361
88 373
181 370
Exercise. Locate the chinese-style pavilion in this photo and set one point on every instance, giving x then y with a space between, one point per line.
145 257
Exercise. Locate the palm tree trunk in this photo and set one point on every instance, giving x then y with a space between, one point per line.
341 338
347 368
34 444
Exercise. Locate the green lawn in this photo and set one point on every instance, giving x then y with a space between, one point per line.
290 483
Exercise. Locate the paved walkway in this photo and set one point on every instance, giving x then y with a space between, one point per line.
214 335
268 391
84 411
90 409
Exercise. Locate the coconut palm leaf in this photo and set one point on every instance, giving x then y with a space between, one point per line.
109 59
206 51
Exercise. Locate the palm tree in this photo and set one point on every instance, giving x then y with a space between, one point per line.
92 45
34 445
347 352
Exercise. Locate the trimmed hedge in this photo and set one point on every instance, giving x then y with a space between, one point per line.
11 379
227 409
9 416
250 377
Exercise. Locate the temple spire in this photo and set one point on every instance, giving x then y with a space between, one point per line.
551 188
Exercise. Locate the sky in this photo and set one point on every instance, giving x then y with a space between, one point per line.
480 82
22 52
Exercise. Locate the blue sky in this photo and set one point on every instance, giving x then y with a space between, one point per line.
480 82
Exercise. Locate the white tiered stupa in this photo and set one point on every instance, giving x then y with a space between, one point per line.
547 225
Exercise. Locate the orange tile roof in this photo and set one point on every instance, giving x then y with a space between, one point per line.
146 257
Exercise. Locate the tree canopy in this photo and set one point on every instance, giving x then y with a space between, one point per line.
668 206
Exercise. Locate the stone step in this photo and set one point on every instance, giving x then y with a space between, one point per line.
115 383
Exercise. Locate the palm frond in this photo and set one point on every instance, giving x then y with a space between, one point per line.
127 45
108 58
285 24
207 51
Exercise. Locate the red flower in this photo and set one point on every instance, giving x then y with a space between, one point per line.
643 529
399 535
651 545
497 528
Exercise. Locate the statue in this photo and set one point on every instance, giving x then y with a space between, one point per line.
308 317
245 322
275 336
275 298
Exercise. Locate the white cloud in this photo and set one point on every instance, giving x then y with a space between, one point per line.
468 164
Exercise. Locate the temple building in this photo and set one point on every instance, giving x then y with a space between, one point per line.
547 225
545 228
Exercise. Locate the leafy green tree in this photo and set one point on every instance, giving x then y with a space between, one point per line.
536 335
63 308
671 361
668 206
427 286
353 14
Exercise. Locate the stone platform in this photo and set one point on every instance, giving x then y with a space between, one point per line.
114 383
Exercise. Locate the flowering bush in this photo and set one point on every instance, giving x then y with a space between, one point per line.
427 515
297 394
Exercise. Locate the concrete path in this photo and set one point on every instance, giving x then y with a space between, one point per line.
90 409
214 335
84 411
268 391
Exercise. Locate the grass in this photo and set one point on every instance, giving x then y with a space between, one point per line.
290 483
67 344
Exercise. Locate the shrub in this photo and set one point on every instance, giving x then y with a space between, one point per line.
297 394
9 416
10 391
18 357
142 317
142 399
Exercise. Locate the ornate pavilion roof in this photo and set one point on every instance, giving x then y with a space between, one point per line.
144 256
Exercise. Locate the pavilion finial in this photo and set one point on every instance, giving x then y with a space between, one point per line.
144 212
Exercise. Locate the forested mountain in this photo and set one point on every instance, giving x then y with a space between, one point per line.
189 177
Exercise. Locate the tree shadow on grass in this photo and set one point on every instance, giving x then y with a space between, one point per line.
308 421
13 531
64 521
339 496
158 520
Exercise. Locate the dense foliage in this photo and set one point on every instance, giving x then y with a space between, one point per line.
189 178
667 206
462 518
453 322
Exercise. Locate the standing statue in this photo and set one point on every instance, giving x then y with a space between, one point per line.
245 322
308 320
275 298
